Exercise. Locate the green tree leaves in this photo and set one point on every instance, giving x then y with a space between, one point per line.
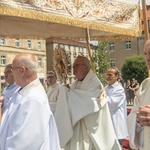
135 67
100 60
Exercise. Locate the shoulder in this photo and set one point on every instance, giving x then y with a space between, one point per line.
145 83
92 77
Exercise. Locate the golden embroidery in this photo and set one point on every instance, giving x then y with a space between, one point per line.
106 15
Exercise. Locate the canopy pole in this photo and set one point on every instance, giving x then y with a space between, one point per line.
89 49
103 93
146 30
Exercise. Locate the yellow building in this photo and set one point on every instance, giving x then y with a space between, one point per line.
9 48
43 50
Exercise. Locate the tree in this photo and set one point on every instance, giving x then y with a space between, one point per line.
100 60
134 67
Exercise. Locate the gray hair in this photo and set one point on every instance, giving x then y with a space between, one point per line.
51 72
28 63
9 66
117 73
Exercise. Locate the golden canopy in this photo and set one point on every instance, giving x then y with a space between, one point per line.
104 19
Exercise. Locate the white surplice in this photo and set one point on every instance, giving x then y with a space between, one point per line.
83 123
28 123
117 105
52 94
139 136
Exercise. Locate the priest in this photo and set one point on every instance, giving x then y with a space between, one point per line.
82 115
138 120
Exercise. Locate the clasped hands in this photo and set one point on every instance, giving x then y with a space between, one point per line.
143 115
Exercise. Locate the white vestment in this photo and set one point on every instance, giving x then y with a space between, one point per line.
8 93
28 123
139 137
83 123
118 109
52 94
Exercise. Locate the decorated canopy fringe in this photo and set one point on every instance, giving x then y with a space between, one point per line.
105 19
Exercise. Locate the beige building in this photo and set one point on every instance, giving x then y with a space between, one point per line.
120 50
43 50
9 48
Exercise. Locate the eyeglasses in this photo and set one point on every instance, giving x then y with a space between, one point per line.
51 77
110 74
14 68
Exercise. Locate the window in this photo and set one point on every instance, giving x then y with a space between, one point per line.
111 46
2 41
39 62
17 43
128 45
112 63
81 49
39 45
29 46
3 60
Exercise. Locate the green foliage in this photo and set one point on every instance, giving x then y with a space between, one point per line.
134 67
100 61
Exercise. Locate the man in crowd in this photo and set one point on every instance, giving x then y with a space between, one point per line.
11 88
117 103
139 118
53 90
28 123
82 115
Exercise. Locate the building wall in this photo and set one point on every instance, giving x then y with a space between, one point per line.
120 53
9 50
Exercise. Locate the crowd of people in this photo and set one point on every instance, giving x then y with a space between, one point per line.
82 116
131 88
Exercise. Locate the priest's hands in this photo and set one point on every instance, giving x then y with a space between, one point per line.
143 116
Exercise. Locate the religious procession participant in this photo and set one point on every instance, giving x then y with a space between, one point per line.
53 90
28 123
9 90
82 117
138 120
12 86
117 103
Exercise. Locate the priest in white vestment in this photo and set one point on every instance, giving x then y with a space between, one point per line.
27 122
138 120
83 121
53 90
